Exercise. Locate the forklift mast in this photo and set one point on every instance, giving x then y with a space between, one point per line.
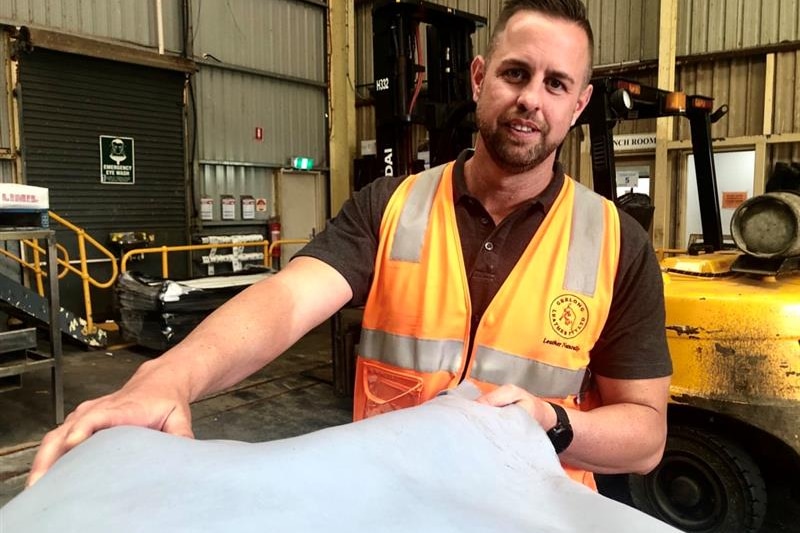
615 99
401 102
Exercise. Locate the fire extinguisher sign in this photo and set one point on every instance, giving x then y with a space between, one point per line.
117 160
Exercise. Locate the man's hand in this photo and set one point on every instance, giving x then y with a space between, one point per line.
540 410
236 340
625 433
146 400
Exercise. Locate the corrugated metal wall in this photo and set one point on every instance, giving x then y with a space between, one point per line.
787 92
714 25
739 83
787 108
723 25
123 20
281 36
233 103
624 30
258 182
263 66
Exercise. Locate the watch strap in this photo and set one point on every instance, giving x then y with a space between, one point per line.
561 434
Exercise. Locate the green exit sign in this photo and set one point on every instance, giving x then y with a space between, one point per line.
302 163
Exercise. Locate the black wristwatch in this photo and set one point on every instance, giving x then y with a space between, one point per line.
560 434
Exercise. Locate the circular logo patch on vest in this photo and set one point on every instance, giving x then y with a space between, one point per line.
568 315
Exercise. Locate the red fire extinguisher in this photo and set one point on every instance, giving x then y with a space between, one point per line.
275 235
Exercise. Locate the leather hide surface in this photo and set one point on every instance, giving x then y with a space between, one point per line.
451 465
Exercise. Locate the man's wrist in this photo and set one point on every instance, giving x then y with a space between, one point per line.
560 434
163 374
550 417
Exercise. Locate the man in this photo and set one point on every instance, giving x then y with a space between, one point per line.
496 268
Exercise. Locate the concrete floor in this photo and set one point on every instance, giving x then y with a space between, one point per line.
292 396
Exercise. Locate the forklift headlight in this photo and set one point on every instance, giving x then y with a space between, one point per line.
621 101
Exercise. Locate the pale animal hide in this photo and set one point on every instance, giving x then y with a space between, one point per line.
451 465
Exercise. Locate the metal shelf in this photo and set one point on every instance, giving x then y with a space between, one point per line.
34 360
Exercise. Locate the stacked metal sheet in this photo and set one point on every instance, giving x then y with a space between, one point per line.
158 313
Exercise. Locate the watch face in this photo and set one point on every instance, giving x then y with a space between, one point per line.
560 434
561 437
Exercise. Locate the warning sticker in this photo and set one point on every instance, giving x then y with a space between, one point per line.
732 200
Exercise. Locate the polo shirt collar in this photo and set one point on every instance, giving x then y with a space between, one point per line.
545 199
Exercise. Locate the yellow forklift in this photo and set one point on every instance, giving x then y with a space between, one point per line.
733 329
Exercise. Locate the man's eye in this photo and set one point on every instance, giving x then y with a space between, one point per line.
514 74
555 84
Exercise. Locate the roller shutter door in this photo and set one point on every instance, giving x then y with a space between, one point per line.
67 102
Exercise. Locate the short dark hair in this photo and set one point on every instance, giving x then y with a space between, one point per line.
570 10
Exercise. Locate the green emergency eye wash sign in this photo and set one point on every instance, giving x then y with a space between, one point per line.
116 160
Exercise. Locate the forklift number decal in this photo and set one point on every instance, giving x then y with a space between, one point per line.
382 84
568 315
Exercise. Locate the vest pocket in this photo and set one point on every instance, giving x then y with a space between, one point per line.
387 389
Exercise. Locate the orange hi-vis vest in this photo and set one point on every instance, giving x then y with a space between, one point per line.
537 331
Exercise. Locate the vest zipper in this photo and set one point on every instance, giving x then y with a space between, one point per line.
473 328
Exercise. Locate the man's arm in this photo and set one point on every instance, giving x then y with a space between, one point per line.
236 340
259 324
626 434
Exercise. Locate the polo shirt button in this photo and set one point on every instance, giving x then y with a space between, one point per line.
488 246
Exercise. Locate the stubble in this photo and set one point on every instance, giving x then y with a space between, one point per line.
510 154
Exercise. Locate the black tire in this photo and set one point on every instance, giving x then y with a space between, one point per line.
704 484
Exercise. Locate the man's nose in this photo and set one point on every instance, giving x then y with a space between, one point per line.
530 96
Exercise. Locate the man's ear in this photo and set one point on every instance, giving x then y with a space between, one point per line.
477 73
583 101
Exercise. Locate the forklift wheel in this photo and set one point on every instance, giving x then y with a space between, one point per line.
704 483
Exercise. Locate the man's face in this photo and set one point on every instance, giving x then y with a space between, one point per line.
117 147
531 90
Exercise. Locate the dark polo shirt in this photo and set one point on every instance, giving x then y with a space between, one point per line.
632 344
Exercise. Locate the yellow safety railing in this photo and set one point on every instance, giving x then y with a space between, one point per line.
37 252
166 250
284 241
35 265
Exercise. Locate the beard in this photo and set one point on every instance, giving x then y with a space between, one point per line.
511 155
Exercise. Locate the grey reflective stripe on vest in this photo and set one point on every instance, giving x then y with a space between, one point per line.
415 217
541 379
585 242
422 355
